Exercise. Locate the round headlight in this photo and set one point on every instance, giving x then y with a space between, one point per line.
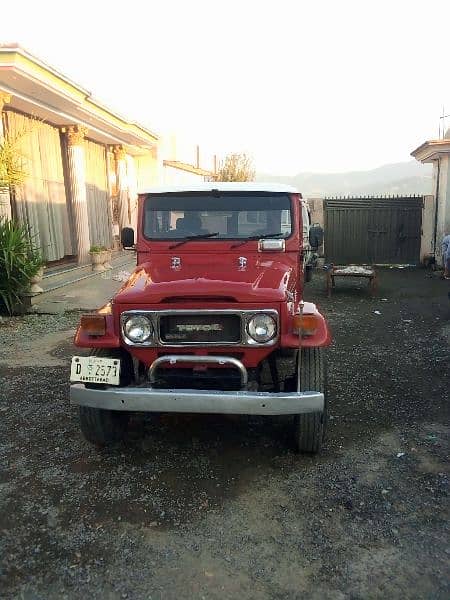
262 328
138 328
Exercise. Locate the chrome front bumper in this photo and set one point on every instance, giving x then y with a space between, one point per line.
149 399
144 399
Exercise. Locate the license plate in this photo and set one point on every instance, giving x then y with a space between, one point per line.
94 369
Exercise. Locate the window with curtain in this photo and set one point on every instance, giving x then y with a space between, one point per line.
98 200
41 202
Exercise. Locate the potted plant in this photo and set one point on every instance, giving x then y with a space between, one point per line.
107 254
97 254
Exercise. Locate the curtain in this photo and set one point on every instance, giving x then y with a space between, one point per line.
98 200
40 202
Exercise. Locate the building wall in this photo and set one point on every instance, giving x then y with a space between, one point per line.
147 170
66 200
173 176
427 237
441 191
44 202
443 205
41 202
316 210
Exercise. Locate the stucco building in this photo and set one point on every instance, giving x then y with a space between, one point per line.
437 152
84 162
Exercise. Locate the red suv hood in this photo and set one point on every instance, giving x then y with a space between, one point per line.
215 276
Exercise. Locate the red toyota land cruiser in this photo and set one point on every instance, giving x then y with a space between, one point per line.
215 298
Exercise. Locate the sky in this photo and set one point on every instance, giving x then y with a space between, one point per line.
316 85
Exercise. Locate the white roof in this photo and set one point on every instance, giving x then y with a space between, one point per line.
225 186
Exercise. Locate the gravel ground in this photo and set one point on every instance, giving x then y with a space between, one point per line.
212 507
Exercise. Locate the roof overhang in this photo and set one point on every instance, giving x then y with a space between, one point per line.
43 92
431 150
176 164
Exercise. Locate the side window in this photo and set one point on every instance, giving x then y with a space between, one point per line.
285 222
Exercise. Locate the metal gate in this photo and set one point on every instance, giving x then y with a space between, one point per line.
373 230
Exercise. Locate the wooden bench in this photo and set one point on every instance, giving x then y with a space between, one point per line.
367 271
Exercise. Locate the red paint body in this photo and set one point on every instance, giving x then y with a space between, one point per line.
210 277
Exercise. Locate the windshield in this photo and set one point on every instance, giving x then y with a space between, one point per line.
233 216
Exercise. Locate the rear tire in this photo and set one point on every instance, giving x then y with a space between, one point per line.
100 426
309 428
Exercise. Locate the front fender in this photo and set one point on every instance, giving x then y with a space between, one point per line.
321 338
109 340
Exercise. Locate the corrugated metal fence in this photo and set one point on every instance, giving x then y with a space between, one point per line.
373 230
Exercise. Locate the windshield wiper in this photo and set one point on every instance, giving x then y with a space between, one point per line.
256 237
199 236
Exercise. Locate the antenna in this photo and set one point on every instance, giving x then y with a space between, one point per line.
442 120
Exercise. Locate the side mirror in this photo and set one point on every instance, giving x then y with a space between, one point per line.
127 237
315 236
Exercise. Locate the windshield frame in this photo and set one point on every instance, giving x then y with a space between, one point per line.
213 194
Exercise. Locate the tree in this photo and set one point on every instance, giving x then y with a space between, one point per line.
20 260
12 172
235 167
13 160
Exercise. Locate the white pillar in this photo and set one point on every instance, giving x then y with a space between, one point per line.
122 187
427 236
5 197
77 186
442 166
132 190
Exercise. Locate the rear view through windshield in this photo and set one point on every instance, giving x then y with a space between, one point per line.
226 216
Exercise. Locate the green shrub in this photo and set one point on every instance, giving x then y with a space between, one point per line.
19 262
96 249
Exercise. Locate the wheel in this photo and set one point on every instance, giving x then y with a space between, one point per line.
100 426
309 428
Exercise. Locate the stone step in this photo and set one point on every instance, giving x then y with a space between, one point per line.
58 278
53 279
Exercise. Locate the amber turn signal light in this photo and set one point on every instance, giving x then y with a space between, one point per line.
305 324
93 324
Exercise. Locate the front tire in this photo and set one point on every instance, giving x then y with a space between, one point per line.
309 428
99 426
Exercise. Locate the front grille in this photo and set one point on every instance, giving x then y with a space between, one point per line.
211 379
200 329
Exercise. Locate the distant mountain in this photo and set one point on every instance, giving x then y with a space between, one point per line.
397 178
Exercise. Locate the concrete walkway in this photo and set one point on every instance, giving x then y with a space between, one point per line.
88 293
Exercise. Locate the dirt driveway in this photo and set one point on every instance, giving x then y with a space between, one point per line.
211 507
